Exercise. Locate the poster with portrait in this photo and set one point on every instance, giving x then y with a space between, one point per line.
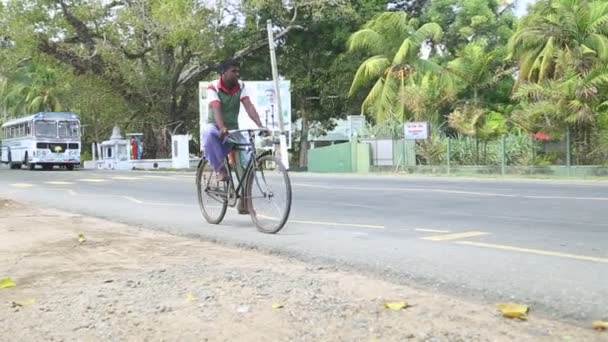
263 97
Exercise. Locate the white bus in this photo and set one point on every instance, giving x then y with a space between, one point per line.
46 139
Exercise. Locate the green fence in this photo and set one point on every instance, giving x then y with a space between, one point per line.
345 157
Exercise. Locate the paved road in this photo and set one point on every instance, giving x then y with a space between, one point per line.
544 243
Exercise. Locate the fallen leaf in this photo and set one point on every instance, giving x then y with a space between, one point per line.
6 283
600 325
191 298
23 303
513 310
396 305
81 238
278 306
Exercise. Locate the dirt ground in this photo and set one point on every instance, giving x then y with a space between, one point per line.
126 283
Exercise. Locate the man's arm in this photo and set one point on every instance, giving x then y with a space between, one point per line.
216 106
217 113
252 112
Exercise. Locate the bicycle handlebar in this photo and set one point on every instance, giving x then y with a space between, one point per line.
247 130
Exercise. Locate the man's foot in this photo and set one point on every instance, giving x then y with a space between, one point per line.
222 176
242 208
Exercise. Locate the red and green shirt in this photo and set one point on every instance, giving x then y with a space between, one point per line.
229 100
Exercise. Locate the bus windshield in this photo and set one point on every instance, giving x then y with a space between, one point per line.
69 129
46 129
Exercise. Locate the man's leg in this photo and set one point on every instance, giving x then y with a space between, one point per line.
242 157
215 150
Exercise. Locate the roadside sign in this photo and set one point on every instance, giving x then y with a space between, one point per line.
416 130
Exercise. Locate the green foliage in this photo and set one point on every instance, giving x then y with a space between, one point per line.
466 21
394 41
519 151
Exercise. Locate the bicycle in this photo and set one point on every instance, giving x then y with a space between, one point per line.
224 193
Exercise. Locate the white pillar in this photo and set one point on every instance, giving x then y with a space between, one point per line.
180 154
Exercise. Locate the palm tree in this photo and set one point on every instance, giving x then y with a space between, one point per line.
560 33
394 42
574 100
44 89
425 94
476 70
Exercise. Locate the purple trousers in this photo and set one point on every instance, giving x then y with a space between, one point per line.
216 148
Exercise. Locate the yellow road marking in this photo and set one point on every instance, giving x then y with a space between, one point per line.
92 180
22 185
431 230
454 236
533 251
58 183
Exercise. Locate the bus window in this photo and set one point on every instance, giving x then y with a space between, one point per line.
68 129
46 129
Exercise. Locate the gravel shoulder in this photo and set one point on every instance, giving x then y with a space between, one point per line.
127 283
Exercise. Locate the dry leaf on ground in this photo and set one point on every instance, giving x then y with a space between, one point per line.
600 325
400 305
191 298
513 310
23 303
6 283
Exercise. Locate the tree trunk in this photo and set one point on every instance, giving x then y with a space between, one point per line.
304 141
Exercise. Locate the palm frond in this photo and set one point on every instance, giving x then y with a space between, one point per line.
599 44
367 40
368 70
370 102
403 52
429 31
598 16
389 22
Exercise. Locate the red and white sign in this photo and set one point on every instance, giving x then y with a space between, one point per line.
416 130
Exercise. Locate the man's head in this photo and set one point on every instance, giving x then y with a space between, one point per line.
231 72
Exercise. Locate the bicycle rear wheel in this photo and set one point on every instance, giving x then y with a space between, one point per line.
211 192
268 194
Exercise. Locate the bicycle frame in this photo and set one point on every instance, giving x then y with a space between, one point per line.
251 165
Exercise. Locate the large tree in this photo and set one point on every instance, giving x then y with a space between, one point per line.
152 53
465 21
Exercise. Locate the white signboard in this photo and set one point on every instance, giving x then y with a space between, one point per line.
356 124
262 95
416 130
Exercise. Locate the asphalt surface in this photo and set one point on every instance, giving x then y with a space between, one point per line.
544 243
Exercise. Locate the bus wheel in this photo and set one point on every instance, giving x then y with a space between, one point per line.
30 166
47 167
11 165
70 167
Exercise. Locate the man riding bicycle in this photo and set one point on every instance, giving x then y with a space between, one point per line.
225 96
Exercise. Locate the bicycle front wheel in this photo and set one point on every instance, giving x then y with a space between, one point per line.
212 193
268 194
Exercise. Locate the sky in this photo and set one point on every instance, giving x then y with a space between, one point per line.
521 6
